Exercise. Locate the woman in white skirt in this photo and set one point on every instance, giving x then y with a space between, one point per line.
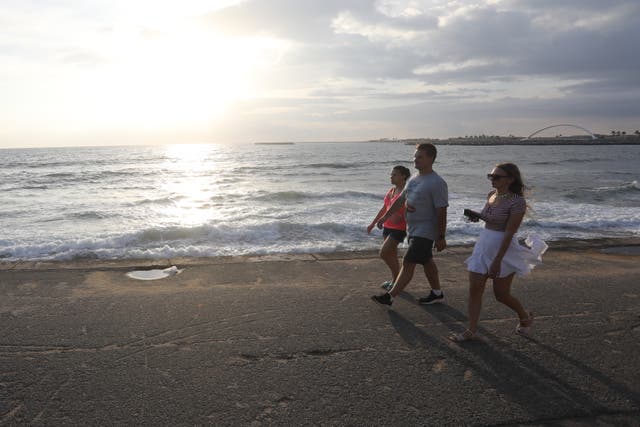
497 254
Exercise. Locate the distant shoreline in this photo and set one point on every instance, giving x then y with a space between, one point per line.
485 141
498 140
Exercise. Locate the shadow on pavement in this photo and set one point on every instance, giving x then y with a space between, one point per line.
540 391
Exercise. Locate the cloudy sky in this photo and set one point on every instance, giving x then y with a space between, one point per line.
84 72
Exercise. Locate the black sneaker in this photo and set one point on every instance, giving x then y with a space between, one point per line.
432 298
383 299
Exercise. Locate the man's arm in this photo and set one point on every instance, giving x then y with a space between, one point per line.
441 242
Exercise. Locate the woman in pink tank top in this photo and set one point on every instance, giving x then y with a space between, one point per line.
497 254
395 228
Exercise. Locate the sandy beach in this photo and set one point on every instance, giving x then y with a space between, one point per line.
295 340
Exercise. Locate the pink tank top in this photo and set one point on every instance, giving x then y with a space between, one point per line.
395 221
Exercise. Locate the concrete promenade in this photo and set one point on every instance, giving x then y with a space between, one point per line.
295 340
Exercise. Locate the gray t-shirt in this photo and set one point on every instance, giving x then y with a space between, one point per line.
426 193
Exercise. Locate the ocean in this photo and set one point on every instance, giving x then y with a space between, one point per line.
213 200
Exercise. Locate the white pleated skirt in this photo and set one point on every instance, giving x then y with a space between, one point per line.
518 259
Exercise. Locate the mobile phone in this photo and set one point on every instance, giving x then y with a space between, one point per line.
472 215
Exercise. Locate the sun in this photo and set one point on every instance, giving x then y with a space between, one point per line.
174 77
182 79
154 72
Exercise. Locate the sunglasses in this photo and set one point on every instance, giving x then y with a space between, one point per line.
493 177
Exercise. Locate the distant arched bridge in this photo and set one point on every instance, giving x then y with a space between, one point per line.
562 125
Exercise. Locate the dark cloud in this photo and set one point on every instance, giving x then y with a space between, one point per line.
588 51
515 38
519 45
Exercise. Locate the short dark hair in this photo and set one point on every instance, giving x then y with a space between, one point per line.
428 148
404 171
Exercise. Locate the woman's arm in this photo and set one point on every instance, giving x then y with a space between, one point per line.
375 220
397 204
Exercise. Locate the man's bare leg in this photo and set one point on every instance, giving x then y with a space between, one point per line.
431 271
436 295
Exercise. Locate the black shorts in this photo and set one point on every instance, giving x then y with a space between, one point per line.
397 235
420 250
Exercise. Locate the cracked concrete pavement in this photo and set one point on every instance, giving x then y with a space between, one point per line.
295 340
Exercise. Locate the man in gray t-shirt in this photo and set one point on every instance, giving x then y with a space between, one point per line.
426 194
426 198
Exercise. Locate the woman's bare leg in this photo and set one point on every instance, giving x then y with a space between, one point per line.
403 279
389 254
477 284
502 292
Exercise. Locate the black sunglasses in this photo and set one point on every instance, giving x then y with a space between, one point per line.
492 176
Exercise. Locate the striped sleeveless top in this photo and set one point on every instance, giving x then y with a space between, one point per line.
496 216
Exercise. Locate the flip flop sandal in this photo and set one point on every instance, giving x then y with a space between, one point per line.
525 330
462 336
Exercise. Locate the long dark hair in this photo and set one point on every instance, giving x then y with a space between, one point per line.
517 186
